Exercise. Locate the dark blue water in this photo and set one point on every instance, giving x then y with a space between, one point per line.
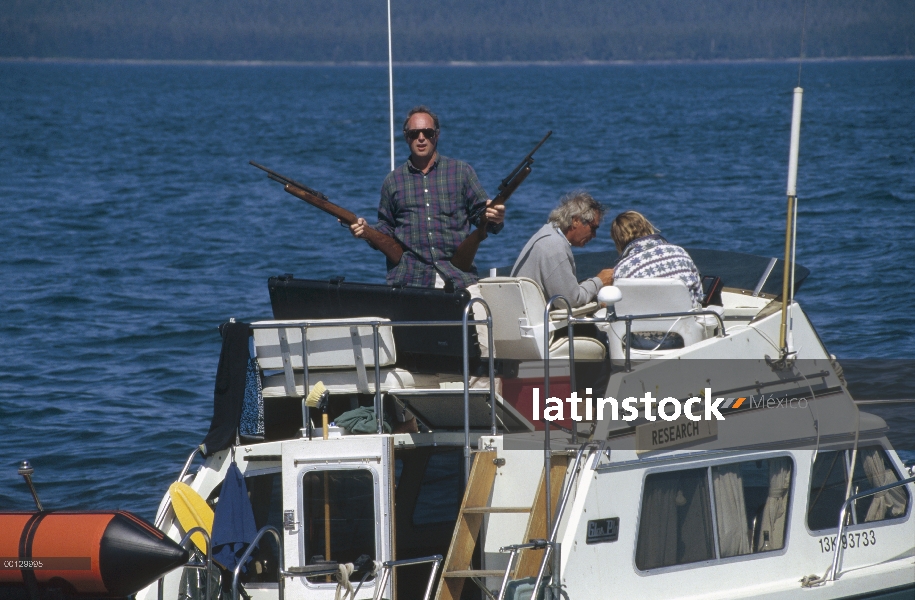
132 225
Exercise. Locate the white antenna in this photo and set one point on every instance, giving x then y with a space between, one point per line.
391 83
786 337
785 341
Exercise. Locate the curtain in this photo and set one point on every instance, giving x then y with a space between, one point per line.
696 538
772 528
657 545
731 511
890 503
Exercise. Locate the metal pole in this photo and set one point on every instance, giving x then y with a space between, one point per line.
431 584
494 430
391 83
832 572
466 344
306 412
26 470
572 387
378 406
547 451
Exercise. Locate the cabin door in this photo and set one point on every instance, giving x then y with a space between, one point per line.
337 505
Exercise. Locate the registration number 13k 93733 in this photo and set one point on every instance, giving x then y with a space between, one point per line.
849 540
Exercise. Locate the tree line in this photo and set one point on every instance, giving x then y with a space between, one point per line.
454 30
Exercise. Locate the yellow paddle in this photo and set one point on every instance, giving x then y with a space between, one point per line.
192 511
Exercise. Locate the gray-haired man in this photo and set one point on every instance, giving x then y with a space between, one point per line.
547 257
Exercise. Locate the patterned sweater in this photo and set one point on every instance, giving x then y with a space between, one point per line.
653 256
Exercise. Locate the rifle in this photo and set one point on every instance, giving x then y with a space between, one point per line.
465 253
390 247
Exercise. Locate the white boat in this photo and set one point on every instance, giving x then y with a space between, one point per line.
795 494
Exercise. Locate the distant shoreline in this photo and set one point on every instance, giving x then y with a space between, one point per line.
544 63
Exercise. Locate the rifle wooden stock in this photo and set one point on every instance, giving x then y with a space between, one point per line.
388 246
467 251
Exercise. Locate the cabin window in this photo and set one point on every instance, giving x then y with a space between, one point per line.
751 505
719 512
266 494
338 515
398 471
829 483
676 522
440 489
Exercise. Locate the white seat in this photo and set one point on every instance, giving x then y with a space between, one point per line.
343 355
344 347
647 296
517 306
336 382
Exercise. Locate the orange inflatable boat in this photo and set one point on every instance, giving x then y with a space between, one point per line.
106 554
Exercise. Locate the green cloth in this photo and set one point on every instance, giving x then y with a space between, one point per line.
361 420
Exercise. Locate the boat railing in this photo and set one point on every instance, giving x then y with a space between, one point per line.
833 573
550 546
388 566
547 309
514 550
612 317
206 565
160 518
251 548
553 547
465 323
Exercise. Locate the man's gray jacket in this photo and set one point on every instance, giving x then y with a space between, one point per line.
547 259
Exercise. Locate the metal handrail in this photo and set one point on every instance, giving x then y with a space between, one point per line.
206 565
280 575
375 324
466 321
547 451
552 546
465 334
515 549
160 518
612 317
390 565
833 571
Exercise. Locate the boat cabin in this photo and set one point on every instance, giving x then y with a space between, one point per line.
437 474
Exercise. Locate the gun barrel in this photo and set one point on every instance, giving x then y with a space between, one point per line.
526 162
286 181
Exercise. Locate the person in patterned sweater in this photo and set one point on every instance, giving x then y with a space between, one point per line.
644 253
429 205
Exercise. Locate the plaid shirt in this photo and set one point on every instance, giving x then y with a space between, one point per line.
431 214
653 256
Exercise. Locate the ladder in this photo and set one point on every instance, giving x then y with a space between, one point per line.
474 507
529 561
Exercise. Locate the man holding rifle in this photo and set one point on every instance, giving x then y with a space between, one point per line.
429 205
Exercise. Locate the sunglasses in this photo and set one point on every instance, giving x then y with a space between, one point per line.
413 134
594 226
